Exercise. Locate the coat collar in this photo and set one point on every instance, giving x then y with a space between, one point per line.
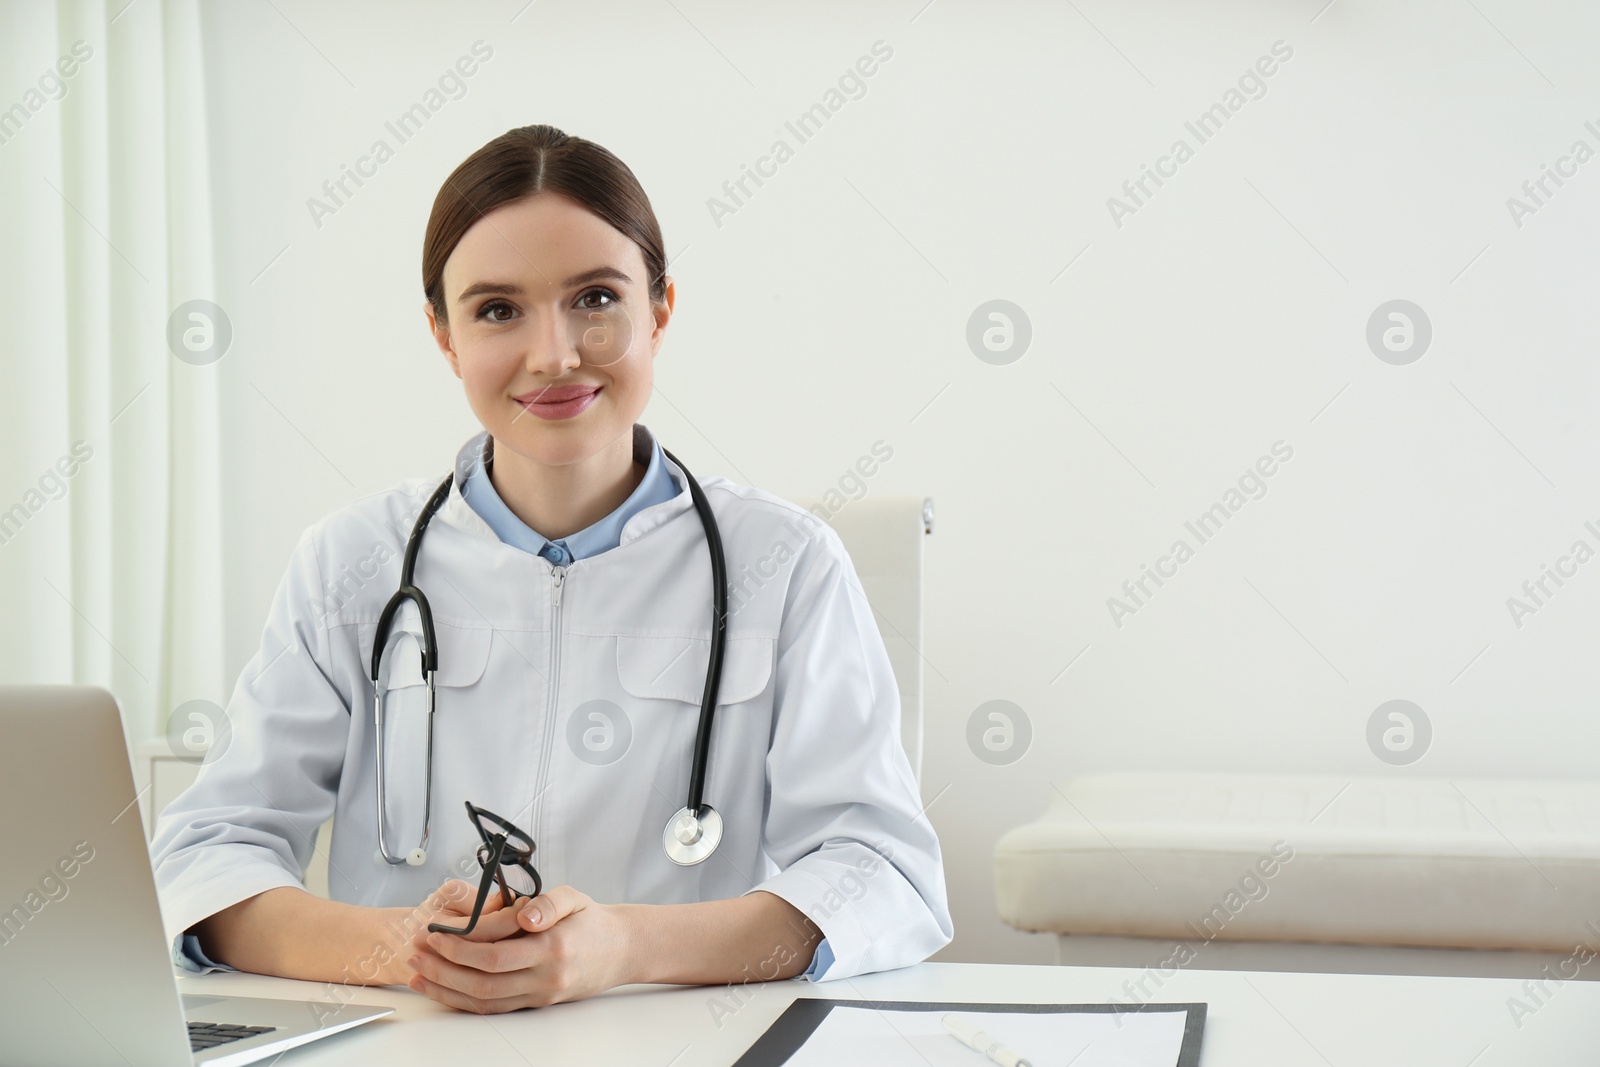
458 513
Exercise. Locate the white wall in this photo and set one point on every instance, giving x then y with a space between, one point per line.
1226 314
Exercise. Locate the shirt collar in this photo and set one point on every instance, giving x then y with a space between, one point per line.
657 486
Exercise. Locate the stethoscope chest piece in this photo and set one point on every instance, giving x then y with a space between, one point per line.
688 839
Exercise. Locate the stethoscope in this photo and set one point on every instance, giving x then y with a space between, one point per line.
695 830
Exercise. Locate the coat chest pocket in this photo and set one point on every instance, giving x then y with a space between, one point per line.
463 656
674 668
463 653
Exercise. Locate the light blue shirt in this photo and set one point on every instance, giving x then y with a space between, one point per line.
656 487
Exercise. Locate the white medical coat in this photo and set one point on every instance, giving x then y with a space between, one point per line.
806 767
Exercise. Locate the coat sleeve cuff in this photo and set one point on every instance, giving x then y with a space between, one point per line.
208 885
819 902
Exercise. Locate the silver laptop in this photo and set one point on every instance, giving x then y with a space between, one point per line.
86 974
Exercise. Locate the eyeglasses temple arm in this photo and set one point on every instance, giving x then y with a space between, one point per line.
491 872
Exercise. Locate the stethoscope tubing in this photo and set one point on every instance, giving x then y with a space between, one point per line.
719 623
704 817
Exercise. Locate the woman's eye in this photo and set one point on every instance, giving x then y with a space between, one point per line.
594 293
491 311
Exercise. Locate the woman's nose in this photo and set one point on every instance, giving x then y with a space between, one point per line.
551 351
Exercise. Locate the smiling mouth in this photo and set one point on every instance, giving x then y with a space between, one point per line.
557 403
557 394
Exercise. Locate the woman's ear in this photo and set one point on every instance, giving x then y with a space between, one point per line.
663 314
441 337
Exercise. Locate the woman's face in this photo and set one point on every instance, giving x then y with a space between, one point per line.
547 301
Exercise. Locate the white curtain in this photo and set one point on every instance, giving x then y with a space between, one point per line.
110 558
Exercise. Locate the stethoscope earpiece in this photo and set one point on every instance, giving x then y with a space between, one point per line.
415 858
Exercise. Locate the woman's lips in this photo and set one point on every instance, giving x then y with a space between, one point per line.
558 409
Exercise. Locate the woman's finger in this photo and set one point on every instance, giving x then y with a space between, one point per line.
481 986
456 999
492 926
457 897
453 895
515 953
547 909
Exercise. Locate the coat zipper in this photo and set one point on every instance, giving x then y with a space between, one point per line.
559 575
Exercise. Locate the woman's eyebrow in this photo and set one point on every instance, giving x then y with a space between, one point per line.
597 273
497 288
511 289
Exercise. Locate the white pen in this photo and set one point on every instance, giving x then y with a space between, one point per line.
974 1038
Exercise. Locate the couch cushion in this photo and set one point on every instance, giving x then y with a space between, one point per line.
1473 863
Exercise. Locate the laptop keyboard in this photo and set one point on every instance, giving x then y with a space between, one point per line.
209 1035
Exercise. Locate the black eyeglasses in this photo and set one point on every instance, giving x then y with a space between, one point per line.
506 846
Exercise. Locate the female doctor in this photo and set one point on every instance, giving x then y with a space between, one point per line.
567 571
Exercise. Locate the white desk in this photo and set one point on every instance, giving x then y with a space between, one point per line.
1255 1019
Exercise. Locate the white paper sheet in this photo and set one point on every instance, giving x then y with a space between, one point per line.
1044 1039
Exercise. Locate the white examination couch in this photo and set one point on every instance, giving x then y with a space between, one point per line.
1396 875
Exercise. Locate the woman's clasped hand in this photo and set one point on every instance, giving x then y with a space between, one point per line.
561 945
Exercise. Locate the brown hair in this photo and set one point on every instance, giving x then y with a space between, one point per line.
536 159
